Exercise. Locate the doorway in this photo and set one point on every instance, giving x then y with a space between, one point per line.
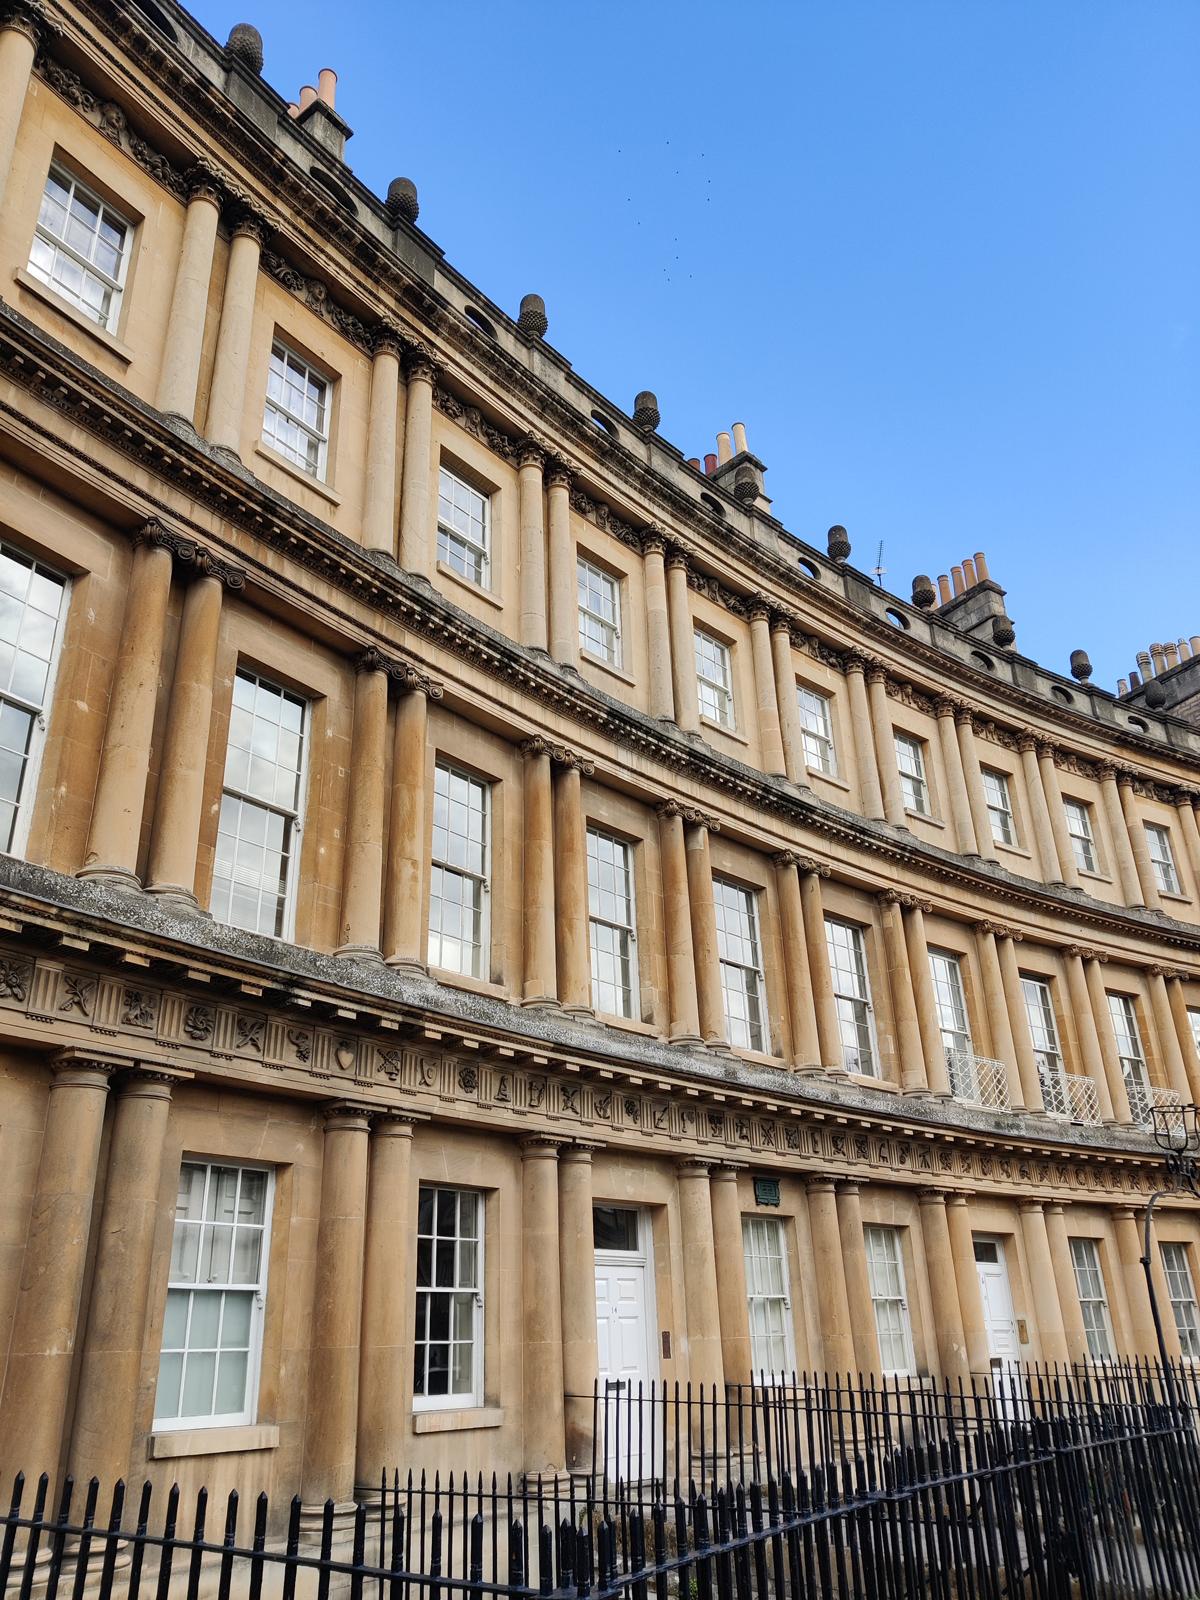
626 1337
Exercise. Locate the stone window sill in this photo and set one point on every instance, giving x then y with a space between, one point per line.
1013 849
629 1025
476 589
588 659
885 1085
1096 877
814 775
293 471
458 1421
169 1446
1179 899
924 816
64 308
728 733
460 980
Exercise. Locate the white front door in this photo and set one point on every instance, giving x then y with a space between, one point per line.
625 1339
1004 1346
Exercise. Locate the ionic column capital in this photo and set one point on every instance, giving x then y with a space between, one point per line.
808 868
189 554
1000 929
1084 952
560 755
1169 974
405 674
688 814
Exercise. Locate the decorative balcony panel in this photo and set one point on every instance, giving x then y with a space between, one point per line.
978 1080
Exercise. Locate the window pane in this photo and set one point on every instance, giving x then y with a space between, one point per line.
447 1356
79 247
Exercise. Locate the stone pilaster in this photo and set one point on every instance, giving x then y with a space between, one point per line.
1039 815
701 1302
1169 1051
1022 1035
966 1273
964 724
1183 1033
227 391
1127 1226
21 32
1143 866
829 1033
885 745
869 790
572 938
829 1271
541 1307
730 1256
577 1280
1043 1283
863 1329
1118 833
404 924
802 1015
956 782
936 1073
704 930
943 1285
909 1046
379 489
179 375
1091 1058
770 738
1064 1280
683 644
534 623
791 729
416 470
995 1002
385 1359
1106 1037
564 585
540 985
1068 871
677 927
660 694
1185 807
360 932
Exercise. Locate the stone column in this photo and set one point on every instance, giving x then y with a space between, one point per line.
709 997
1064 1278
677 927
683 644
659 693
733 1307
577 1279
830 1272
179 805
1014 999
1185 807
769 736
956 782
416 471
864 743
1143 866
790 727
962 1247
1118 832
1106 1037
227 391
1127 1225
1090 1057
540 985
385 1362
700 1288
46 1318
829 1033
802 1015
115 834
943 1285
330 1434
1169 1051
541 1306
1039 815
964 723
20 35
362 872
936 1073
909 1046
179 374
863 1331
996 1005
572 934
379 490
1068 872
1183 1033
1043 1284
885 745
407 848
534 611
564 580
107 1393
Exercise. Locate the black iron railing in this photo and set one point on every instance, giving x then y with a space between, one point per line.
1046 1483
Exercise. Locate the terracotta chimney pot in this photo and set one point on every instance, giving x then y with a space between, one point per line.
327 86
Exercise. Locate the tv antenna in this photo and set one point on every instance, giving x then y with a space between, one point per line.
879 568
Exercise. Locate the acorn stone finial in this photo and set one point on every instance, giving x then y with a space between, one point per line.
402 199
245 45
533 317
839 542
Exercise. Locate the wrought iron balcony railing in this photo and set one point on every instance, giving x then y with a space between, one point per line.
1144 1097
1071 1094
978 1080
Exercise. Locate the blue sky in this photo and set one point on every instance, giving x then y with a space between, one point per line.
942 257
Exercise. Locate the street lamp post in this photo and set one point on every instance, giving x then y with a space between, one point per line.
1176 1132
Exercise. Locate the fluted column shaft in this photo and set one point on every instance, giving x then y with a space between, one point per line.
46 1319
770 738
1068 871
1107 1040
1022 1034
1118 832
730 1258
1064 1277
379 490
179 375
330 1435
677 927
18 47
1039 814
863 1329
1043 1283
406 932
909 1047
541 1306
1168 1039
936 1074
962 1246
540 986
885 748
577 1272
572 938
660 694
1143 866
864 740
385 1364
829 1271
943 1286
790 727
683 646
1127 1225
179 804
1091 1056
362 872
968 750
1183 1033
701 1301
227 392
564 586
829 1033
534 609
996 1004
115 833
956 782
416 534
802 1016
704 934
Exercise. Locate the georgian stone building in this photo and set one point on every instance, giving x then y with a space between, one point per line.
483 905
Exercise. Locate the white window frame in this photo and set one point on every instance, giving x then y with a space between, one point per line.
456 1401
866 1023
721 709
880 1241
587 570
1131 1052
483 880
27 794
1043 1025
1093 1293
628 930
249 1412
914 781
472 552
1194 1020
1081 834
756 1232
950 1002
753 976
997 795
283 352
1181 1290
1162 859
816 730
115 285
293 817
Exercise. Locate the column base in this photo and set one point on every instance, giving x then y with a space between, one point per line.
112 878
312 1521
580 1013
409 965
542 1002
176 898
719 1047
687 1041
360 952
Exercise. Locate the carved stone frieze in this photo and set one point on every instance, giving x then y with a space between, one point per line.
111 120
